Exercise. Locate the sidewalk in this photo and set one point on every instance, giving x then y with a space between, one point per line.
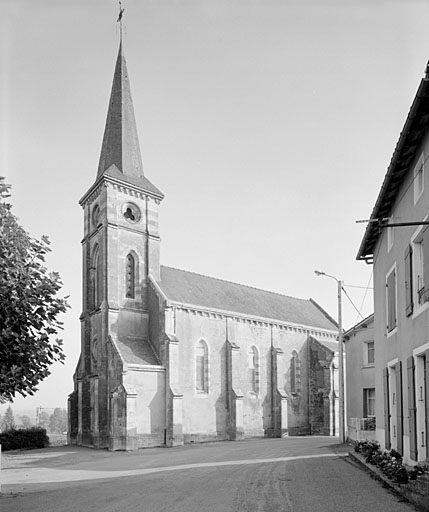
415 491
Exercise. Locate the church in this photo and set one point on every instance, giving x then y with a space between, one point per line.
168 356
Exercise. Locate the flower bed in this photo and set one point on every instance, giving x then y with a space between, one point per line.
390 462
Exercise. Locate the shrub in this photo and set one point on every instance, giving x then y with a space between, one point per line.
390 462
24 438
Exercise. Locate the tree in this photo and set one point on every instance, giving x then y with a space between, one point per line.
29 307
43 421
25 421
58 421
8 422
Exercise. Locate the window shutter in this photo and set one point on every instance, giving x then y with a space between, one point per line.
425 243
427 402
412 408
399 412
408 281
386 408
365 403
391 301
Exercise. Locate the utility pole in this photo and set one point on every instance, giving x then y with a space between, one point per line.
340 357
341 364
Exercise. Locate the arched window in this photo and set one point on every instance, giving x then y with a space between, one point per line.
130 277
94 354
201 367
295 373
253 369
95 279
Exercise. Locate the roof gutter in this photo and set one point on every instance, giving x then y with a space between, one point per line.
363 253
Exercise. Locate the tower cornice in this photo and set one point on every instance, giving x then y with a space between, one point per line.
145 190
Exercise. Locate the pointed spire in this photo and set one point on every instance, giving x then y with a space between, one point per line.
120 142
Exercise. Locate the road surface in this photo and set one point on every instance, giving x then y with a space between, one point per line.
299 474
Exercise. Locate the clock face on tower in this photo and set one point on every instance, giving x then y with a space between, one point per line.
131 212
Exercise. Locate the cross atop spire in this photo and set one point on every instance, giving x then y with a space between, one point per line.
119 20
120 156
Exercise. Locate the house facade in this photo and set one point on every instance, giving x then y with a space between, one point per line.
396 241
169 356
360 379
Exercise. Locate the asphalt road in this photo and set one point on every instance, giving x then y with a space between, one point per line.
264 475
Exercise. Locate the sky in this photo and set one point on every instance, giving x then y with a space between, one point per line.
268 124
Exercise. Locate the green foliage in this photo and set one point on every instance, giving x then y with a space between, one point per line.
18 439
58 421
29 307
8 421
419 469
25 421
43 420
390 462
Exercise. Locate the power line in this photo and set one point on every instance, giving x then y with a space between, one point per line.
366 292
352 303
361 287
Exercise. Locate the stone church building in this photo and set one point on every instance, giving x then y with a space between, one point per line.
169 356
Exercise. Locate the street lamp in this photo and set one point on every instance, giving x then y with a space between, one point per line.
341 352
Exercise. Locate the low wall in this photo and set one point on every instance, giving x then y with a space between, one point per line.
361 429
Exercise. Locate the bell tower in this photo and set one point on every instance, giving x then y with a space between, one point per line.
120 249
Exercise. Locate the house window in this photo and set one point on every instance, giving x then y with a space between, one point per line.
370 352
419 178
201 368
368 402
419 266
253 370
130 277
295 373
391 300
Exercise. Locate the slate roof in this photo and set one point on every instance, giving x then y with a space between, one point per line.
136 351
330 345
120 142
185 287
408 145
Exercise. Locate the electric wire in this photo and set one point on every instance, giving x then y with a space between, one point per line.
366 292
352 303
361 287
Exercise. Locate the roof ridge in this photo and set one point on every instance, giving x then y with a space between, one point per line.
239 284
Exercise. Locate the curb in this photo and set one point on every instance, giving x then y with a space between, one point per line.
420 501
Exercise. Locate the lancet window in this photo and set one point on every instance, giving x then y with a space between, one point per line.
295 373
130 276
201 367
253 369
95 279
